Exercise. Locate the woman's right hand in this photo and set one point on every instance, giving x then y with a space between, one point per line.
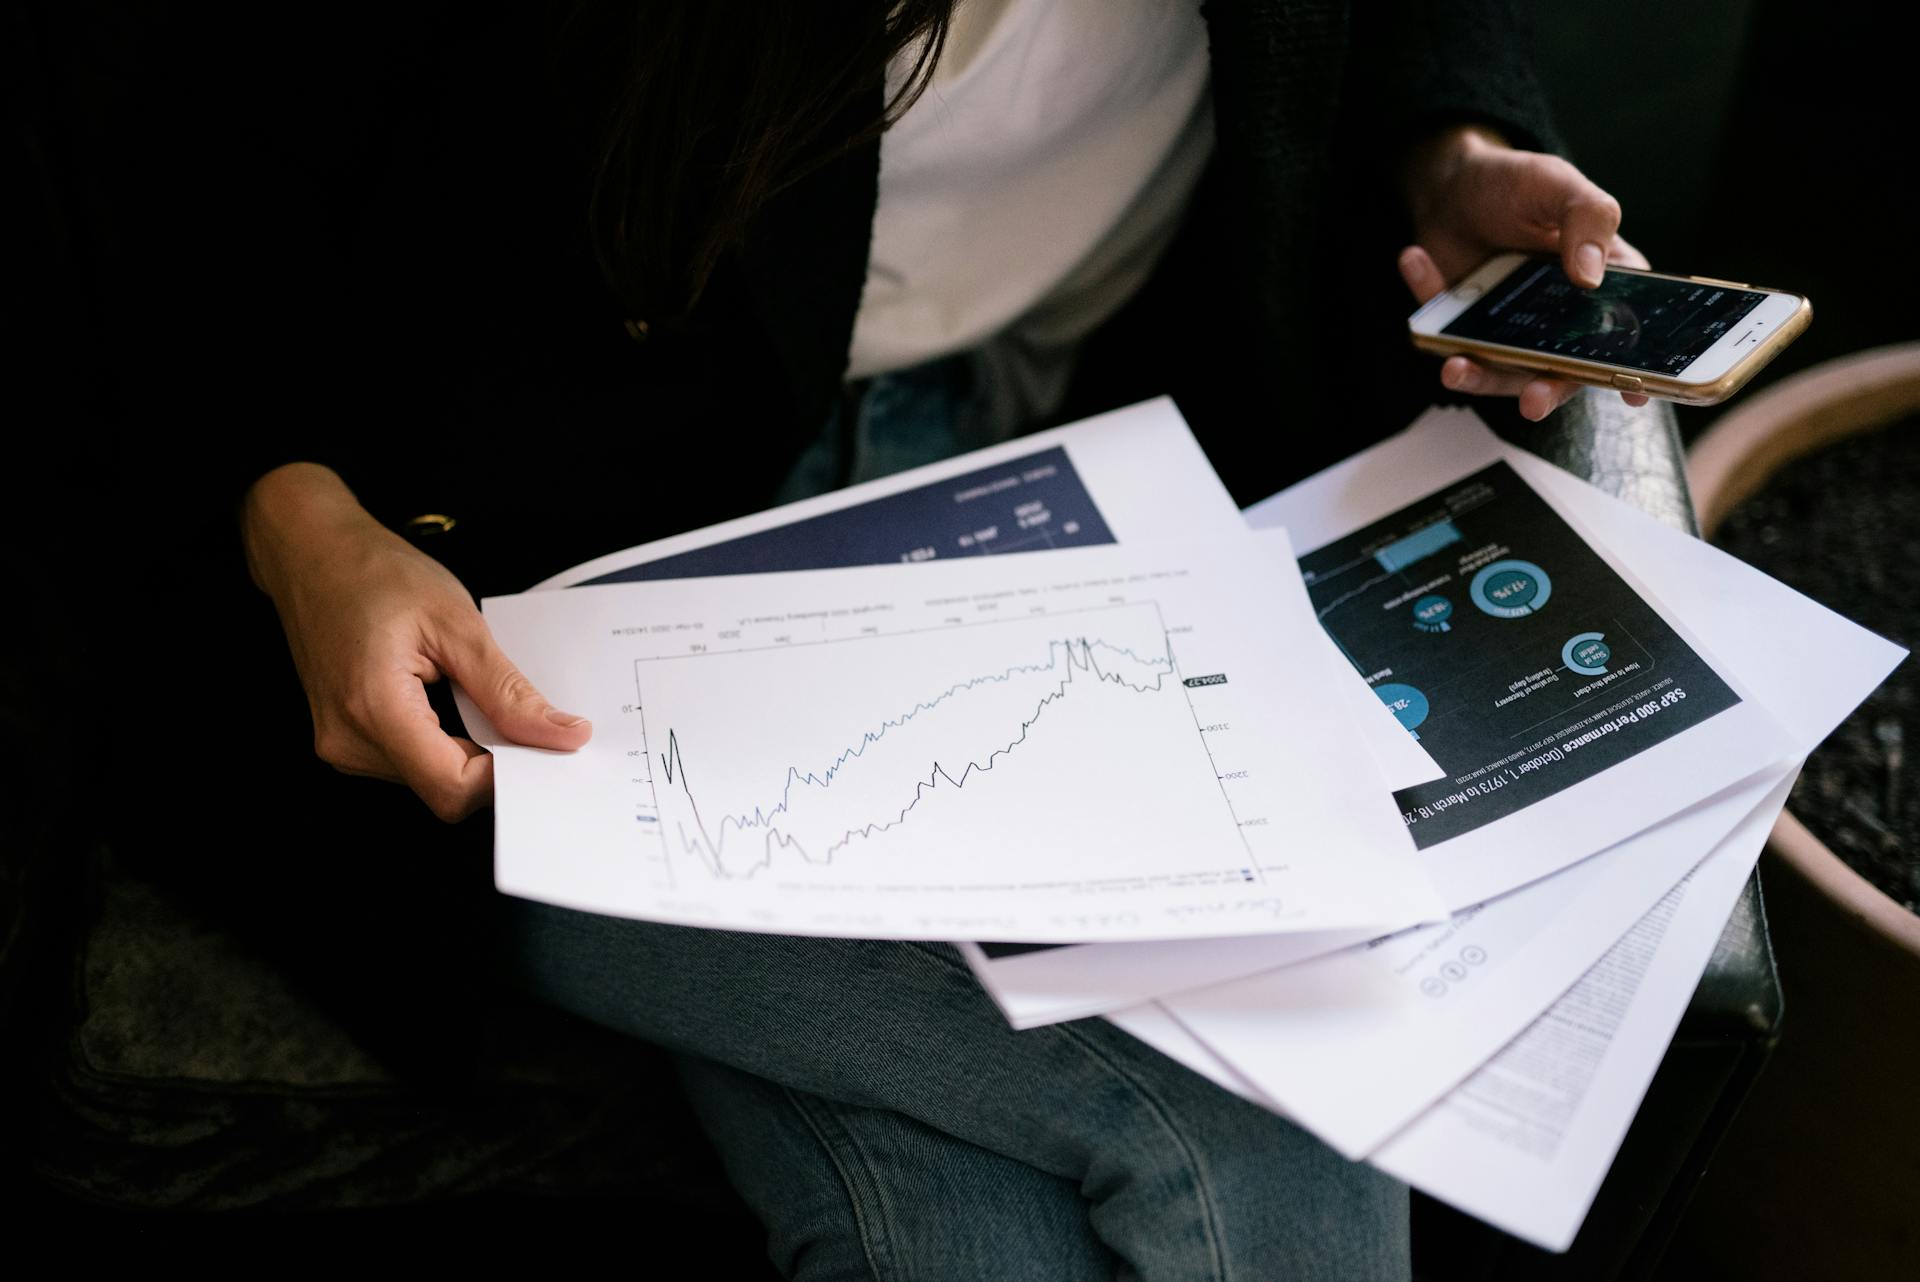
372 621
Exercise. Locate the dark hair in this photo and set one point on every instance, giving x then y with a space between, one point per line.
717 106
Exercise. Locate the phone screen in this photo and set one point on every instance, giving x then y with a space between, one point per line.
1642 322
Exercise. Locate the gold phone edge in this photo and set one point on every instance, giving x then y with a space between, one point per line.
1667 389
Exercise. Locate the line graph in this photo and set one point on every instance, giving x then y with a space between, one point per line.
1107 742
725 805
1067 660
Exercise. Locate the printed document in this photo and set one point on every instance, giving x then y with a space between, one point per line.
1525 1142
1355 1045
1569 707
1410 1017
1811 667
1066 983
1032 494
1110 742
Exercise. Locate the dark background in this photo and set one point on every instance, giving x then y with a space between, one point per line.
1756 140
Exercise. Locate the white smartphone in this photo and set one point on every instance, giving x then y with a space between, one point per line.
1682 338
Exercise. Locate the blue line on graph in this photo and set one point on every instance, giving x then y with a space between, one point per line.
710 843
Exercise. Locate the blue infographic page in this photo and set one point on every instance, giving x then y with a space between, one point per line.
1520 660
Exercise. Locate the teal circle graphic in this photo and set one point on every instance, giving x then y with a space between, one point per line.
1407 703
1431 612
1587 653
1510 589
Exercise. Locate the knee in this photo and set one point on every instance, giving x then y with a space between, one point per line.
846 1191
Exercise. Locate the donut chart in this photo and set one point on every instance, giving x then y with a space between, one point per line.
1587 654
1510 589
1431 612
1405 702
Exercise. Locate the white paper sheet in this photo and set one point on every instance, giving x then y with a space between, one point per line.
1151 1023
1720 595
1307 1035
1105 742
1357 1044
1140 465
1403 762
1527 1140
1659 780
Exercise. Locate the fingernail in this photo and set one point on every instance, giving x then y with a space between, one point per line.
1458 377
1591 261
565 720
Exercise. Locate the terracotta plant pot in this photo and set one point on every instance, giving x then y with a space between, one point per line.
1820 1175
1743 451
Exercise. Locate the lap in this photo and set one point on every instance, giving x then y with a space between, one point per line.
1177 1177
855 1193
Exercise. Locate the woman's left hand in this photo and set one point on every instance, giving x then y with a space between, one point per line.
1472 197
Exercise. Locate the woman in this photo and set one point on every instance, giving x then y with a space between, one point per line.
661 263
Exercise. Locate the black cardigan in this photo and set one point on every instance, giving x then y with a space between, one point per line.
364 244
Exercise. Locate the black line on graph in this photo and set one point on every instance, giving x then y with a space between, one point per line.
710 841
1345 597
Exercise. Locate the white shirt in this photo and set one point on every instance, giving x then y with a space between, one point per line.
1030 190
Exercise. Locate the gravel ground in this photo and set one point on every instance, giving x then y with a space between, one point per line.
1843 527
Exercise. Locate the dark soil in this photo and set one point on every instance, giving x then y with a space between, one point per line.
1843 527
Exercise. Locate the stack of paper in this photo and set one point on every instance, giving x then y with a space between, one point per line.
1411 812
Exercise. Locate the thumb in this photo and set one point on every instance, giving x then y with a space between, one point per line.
510 701
1421 273
1588 224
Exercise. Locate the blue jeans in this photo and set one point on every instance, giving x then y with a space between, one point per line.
882 1120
